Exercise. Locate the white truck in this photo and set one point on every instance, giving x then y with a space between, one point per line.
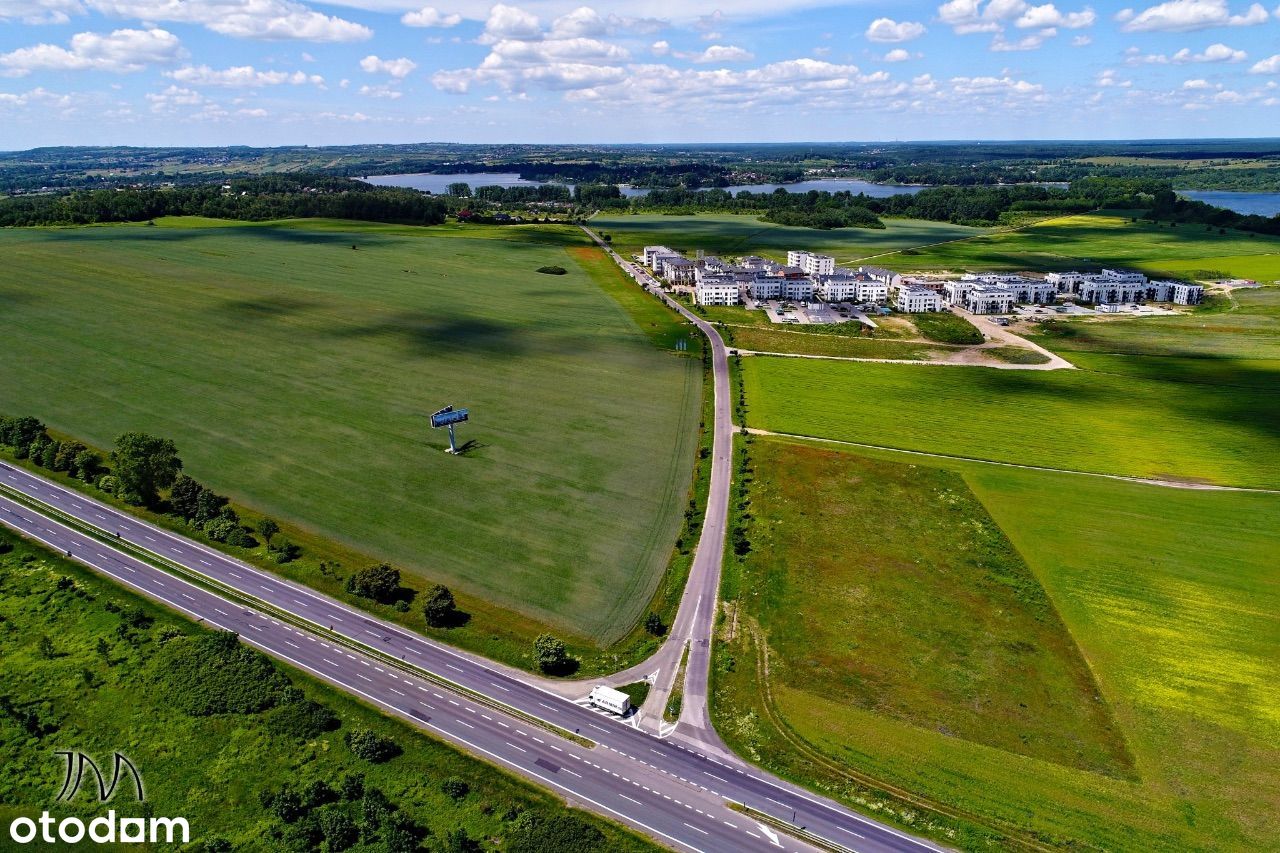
608 699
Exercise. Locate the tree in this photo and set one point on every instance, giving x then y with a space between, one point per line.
459 189
380 582
266 529
550 653
18 433
145 464
185 495
439 609
87 464
209 506
46 648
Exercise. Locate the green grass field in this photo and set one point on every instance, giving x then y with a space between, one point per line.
1073 419
731 235
1093 240
208 769
295 374
1169 595
782 340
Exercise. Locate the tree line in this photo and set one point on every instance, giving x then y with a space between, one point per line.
137 471
249 199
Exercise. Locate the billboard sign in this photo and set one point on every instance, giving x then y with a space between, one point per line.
448 416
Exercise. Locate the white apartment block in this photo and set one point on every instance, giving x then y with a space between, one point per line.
679 270
990 299
651 253
1185 294
881 274
913 299
716 293
810 263
797 289
765 287
850 287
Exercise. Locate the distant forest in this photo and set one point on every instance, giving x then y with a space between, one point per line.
251 199
302 196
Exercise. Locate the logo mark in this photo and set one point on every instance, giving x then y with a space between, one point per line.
75 766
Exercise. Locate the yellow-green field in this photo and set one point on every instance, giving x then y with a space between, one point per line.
1170 597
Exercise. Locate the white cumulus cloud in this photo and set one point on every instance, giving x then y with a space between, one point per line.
397 68
724 53
1271 65
1036 17
1178 16
241 76
429 16
119 52
891 31
269 20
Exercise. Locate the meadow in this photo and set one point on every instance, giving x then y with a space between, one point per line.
294 364
732 234
1166 598
1142 426
100 686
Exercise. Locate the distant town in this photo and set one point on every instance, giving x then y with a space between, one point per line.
808 277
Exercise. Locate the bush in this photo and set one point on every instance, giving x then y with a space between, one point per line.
302 719
371 746
552 270
283 550
550 654
654 625
564 833
215 674
380 583
455 789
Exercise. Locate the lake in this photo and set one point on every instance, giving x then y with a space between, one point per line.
1263 204
439 184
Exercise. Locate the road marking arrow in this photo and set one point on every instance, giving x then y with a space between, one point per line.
770 834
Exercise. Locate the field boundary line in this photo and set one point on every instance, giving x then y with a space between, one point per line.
1013 835
1145 481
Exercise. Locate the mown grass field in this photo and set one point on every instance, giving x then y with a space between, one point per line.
731 235
295 374
761 339
1169 596
1073 419
1105 239
208 769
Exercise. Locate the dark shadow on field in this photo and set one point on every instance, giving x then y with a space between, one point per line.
14 298
266 308
425 334
1250 401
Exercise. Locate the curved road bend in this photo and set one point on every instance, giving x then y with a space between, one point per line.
675 793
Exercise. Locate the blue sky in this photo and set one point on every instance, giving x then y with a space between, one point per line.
271 72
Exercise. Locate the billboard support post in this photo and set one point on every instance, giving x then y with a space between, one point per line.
448 417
